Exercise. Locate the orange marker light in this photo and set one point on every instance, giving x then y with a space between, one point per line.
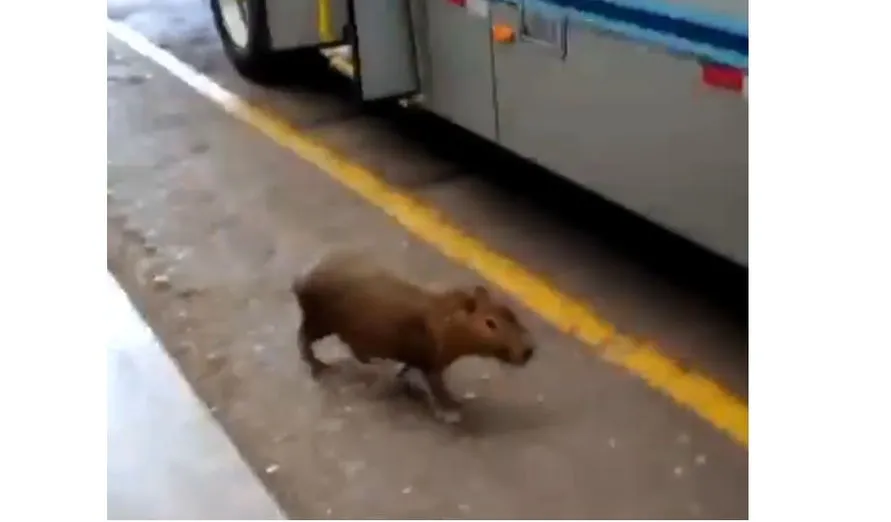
503 33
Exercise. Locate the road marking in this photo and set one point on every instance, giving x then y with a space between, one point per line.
572 316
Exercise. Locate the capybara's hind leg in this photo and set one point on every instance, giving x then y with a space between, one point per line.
360 356
411 379
305 339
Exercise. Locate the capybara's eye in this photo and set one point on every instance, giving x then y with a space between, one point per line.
491 324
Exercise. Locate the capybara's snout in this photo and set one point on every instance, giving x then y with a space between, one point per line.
526 354
521 351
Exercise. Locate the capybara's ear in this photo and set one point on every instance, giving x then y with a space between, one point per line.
469 302
481 293
460 300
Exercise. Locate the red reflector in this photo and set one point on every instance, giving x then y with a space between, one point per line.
723 77
459 3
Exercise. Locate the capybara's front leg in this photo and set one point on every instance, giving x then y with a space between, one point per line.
445 407
305 342
431 385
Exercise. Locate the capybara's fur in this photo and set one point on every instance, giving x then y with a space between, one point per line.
381 316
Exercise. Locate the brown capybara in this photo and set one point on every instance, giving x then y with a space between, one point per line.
380 316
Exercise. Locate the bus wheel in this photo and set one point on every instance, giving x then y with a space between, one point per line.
244 32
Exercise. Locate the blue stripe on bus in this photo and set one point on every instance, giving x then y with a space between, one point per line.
696 15
714 41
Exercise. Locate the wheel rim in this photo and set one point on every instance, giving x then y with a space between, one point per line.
235 19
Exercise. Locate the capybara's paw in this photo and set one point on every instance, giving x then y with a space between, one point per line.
413 380
317 368
450 416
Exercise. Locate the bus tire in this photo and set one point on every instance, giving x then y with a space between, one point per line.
253 56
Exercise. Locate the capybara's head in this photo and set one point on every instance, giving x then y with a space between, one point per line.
491 328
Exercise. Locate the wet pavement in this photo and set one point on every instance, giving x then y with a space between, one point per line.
209 220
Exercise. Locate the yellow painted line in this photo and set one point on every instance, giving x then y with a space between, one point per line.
572 316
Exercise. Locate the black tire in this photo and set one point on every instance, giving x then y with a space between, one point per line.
257 61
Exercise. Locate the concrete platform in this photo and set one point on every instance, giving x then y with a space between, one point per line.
209 221
167 457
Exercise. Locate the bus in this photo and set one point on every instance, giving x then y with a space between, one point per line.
644 102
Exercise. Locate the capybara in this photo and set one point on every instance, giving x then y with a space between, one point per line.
378 315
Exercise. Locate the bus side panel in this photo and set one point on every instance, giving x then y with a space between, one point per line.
456 65
632 123
385 49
